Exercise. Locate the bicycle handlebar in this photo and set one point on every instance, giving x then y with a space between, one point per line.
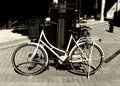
47 23
82 31
83 27
73 32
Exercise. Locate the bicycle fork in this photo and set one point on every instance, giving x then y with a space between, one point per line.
35 51
85 57
89 59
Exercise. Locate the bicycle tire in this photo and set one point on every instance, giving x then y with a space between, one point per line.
79 67
21 63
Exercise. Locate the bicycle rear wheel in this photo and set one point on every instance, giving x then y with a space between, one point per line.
21 59
81 65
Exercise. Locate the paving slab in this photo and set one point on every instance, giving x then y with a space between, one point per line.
108 75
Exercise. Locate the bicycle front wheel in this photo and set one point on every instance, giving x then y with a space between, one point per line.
89 65
21 59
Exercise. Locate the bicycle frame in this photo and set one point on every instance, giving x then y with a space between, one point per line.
53 48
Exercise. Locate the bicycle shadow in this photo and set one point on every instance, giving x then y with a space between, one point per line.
29 74
68 68
58 66
112 56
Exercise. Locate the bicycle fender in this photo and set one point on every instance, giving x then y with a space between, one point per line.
102 52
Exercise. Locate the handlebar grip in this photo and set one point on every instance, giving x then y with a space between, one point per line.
53 22
46 23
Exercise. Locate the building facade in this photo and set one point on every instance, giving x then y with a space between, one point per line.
111 8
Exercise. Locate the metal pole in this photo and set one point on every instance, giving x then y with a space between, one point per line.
117 6
79 9
55 1
61 25
102 10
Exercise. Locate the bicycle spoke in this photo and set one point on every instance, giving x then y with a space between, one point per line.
24 64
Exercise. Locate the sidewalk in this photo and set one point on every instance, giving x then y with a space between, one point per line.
9 38
92 22
108 75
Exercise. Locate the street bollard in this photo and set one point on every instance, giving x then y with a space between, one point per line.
111 26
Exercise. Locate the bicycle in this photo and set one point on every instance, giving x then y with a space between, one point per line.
84 58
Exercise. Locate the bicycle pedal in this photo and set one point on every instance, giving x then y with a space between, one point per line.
47 67
32 66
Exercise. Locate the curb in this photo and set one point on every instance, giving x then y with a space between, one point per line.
98 24
93 23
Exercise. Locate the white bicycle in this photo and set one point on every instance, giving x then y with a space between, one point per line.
84 58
